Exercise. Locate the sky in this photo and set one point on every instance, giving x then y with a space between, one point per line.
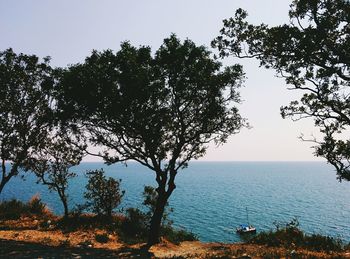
68 30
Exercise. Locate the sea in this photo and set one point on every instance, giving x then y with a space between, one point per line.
213 198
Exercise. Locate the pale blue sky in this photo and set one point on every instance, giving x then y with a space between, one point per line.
67 30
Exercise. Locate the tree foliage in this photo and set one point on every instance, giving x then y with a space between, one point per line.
52 163
25 109
312 53
102 194
160 110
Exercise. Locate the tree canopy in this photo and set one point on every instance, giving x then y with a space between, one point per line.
160 110
25 109
312 53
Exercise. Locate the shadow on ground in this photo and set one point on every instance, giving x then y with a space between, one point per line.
19 249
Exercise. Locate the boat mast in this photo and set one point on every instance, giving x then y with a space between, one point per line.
246 208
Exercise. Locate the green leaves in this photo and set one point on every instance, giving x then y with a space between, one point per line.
153 108
102 194
312 53
25 108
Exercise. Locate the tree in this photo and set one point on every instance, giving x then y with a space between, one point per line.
160 110
312 53
52 164
25 111
103 194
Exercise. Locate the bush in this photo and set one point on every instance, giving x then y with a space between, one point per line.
135 225
36 206
291 236
103 194
14 209
323 243
87 221
177 235
102 238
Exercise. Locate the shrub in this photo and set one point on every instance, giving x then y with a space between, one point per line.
323 243
291 236
135 224
103 194
102 238
36 206
177 235
85 221
14 209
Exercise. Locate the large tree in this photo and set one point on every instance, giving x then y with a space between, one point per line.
160 110
25 109
312 53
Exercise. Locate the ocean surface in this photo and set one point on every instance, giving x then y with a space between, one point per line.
211 197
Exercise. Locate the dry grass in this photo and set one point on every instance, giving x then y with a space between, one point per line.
25 235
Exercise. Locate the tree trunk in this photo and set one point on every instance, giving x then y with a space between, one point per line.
4 181
63 198
2 184
5 178
65 206
154 232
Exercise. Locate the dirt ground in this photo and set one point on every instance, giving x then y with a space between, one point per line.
26 238
79 244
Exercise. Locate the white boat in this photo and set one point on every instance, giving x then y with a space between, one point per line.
246 228
243 229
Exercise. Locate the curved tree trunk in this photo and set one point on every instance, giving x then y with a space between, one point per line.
163 196
63 198
2 184
6 178
65 206
156 221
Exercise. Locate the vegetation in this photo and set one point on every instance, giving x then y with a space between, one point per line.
177 236
102 194
292 237
134 227
153 109
102 238
162 110
15 209
89 231
25 86
312 54
52 164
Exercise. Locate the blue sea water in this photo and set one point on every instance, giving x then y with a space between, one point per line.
211 197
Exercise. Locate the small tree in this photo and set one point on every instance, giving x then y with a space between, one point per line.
103 194
312 53
25 109
52 164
